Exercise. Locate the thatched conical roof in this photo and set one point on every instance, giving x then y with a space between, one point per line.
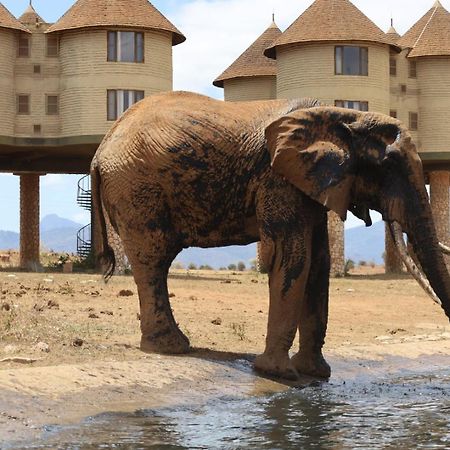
330 20
116 13
7 20
252 62
430 35
30 16
393 35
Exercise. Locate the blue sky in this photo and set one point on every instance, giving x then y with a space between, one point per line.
217 32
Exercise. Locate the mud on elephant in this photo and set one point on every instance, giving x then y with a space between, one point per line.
180 170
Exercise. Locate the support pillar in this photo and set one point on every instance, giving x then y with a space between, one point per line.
336 238
29 222
392 261
440 205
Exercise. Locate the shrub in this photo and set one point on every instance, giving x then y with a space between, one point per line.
205 267
362 263
349 265
241 266
232 267
192 266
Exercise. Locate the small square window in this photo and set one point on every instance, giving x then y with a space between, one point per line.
403 88
393 113
412 69
23 46
413 121
37 68
37 129
23 104
52 45
52 105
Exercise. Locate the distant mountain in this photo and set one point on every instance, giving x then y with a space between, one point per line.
218 257
54 222
57 234
365 243
60 235
9 240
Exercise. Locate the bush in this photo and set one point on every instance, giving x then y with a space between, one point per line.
192 266
241 266
362 263
205 267
232 267
349 265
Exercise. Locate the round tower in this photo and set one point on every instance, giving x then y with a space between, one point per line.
428 52
333 52
112 53
252 76
11 30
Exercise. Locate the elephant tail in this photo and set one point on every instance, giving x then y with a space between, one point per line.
106 256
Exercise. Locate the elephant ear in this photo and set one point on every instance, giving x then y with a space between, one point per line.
312 150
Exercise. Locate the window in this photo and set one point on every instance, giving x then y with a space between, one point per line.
351 60
120 100
37 68
412 69
37 129
125 46
52 105
52 45
23 104
413 121
350 104
403 88
393 66
393 113
23 46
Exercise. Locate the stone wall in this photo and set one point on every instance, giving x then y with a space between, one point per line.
29 222
336 237
392 261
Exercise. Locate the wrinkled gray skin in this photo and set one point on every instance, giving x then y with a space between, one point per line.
180 170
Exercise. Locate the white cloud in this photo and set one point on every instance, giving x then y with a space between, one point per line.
218 31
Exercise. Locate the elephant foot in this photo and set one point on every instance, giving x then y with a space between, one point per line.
166 341
274 365
311 364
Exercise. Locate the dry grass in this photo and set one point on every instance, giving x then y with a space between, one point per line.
223 311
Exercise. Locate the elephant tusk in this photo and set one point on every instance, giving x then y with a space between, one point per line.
444 248
397 236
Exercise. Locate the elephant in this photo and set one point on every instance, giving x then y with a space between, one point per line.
180 169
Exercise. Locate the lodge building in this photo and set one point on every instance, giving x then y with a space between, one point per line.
335 53
63 85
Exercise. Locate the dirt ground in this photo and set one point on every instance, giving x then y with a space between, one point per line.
63 335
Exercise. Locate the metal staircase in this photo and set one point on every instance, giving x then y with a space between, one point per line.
84 199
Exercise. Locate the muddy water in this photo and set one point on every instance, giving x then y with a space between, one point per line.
374 409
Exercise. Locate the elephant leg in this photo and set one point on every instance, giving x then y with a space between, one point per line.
288 261
314 308
151 255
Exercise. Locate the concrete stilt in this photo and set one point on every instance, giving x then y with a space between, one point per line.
29 222
440 205
392 261
336 237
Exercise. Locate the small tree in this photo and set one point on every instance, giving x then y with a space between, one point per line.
349 265
192 266
363 263
205 267
231 266
241 266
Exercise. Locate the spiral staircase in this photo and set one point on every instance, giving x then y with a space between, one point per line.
84 199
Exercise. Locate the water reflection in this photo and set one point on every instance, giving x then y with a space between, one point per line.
401 412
